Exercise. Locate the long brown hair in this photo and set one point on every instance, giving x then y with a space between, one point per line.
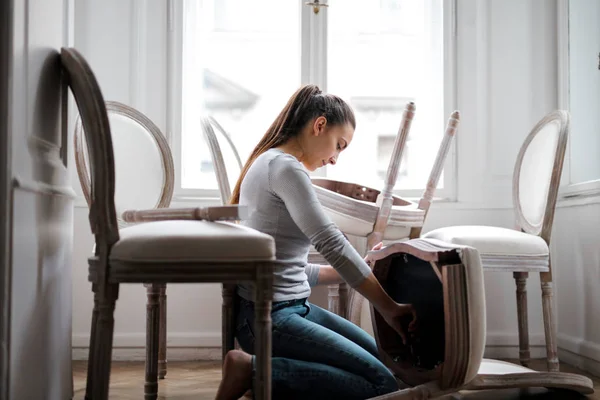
306 103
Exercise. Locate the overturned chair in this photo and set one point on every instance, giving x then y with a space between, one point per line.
444 355
368 216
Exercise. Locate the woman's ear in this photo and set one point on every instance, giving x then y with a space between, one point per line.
319 125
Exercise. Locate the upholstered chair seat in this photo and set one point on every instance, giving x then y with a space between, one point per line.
501 248
190 241
444 354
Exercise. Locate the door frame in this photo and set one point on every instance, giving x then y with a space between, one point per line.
6 23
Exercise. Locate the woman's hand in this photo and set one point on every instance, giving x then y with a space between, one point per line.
393 314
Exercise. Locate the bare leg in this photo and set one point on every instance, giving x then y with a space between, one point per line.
237 375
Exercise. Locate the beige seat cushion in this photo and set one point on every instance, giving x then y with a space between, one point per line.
189 241
500 248
492 240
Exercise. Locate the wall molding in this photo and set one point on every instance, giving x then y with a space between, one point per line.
580 353
579 346
139 354
189 346
138 339
43 188
506 345
206 346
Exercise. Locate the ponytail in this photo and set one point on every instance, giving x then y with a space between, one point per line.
306 103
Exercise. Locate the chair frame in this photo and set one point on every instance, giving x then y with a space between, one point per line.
522 266
222 176
349 302
164 201
106 275
544 230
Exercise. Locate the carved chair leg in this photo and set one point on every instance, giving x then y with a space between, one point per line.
262 325
104 340
162 335
343 299
521 281
227 327
354 306
549 325
333 298
89 387
152 336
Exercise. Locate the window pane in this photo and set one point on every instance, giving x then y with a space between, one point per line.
381 55
240 66
584 90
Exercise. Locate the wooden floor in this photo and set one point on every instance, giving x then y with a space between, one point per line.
199 380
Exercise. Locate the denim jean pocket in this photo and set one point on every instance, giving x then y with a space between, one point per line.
245 336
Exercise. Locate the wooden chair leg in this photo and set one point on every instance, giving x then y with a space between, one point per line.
162 335
343 298
333 298
524 353
152 334
227 327
549 326
104 340
89 387
262 325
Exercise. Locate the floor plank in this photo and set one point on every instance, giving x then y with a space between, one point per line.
198 380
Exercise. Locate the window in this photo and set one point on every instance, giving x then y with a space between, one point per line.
240 65
584 91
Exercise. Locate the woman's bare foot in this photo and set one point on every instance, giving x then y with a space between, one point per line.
237 375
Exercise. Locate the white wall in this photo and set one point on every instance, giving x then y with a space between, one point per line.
40 218
576 262
506 81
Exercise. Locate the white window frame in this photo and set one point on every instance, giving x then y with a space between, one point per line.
313 48
567 187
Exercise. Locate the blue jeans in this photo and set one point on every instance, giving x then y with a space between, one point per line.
317 354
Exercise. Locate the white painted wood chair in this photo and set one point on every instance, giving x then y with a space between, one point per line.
171 246
443 357
536 181
226 159
142 185
368 216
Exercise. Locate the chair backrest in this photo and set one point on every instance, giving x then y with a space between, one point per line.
537 173
141 155
225 157
436 170
90 102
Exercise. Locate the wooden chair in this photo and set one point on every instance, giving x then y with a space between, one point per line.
226 159
536 180
444 355
175 246
372 216
141 185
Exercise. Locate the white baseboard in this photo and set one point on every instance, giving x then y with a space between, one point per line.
506 345
181 346
138 339
187 346
580 353
139 353
194 346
